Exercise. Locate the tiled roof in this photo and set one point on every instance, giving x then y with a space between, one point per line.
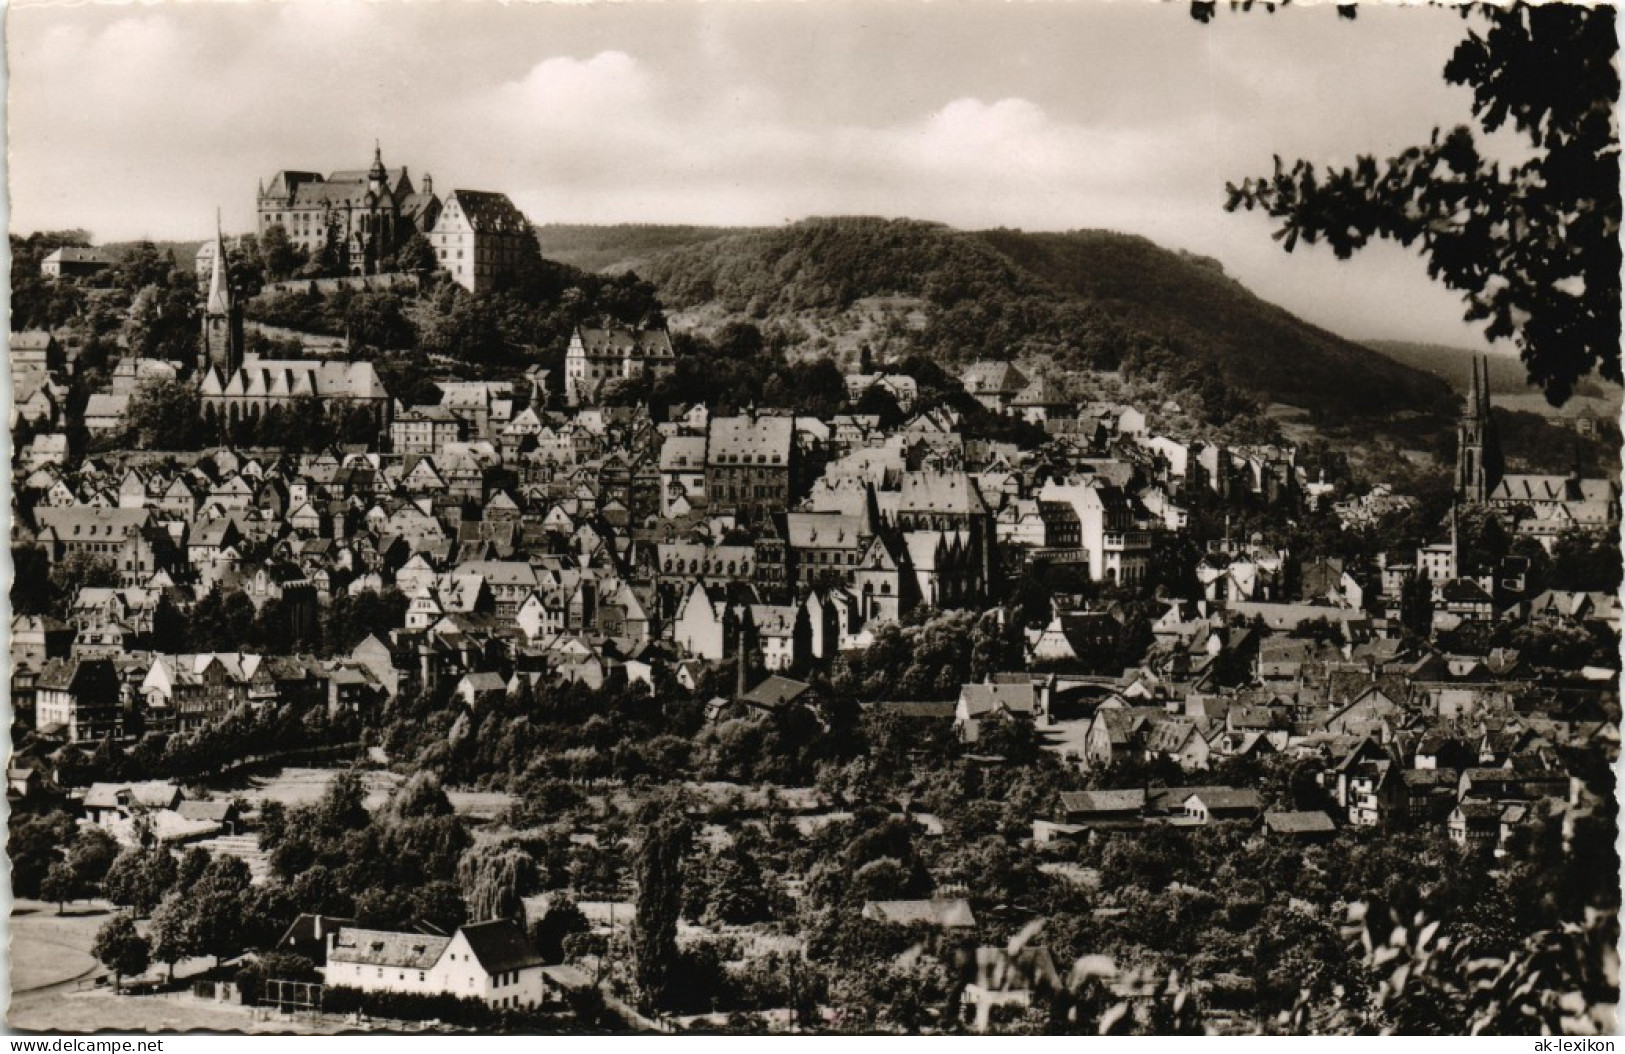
411 951
500 946
625 342
942 493
488 212
1132 800
762 440
987 698
993 377
775 692
1314 822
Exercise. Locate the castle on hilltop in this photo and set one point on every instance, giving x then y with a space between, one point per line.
364 217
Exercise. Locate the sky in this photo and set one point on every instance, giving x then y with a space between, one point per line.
139 120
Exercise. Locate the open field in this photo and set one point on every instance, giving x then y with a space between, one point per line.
90 1010
304 786
50 949
53 978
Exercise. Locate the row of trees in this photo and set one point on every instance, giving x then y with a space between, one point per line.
281 625
246 732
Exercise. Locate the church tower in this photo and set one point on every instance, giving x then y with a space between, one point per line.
222 347
1478 449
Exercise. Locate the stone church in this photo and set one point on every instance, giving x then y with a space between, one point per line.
1542 506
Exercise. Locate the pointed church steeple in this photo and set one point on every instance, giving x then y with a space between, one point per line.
1478 449
222 337
219 301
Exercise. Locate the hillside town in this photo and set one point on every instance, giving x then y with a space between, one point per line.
512 694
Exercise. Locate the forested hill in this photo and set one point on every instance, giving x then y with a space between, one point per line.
1084 299
621 247
1256 345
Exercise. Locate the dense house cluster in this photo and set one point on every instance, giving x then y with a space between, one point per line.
533 536
593 541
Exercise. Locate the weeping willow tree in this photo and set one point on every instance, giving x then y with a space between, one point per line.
494 880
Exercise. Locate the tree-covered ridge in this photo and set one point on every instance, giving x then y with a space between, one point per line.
622 246
832 262
1082 299
1190 303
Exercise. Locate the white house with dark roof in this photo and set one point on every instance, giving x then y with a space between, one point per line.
491 961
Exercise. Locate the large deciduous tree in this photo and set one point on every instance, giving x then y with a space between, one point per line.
1533 246
174 930
219 904
164 415
121 949
140 878
60 885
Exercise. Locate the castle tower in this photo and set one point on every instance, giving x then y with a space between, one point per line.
222 337
378 175
1478 449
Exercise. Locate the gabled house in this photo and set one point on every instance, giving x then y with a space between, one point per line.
981 703
492 961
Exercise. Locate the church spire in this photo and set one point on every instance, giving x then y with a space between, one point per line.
219 301
1478 450
222 337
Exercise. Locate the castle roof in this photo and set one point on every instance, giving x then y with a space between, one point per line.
488 212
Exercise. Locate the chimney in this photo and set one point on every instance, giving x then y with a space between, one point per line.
742 684
428 183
